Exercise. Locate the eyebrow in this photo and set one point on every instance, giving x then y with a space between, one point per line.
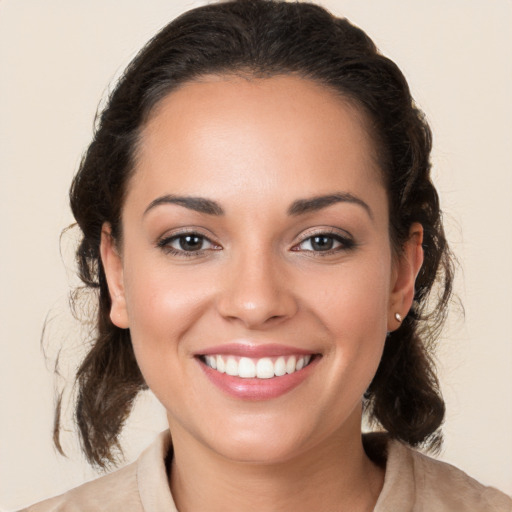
302 206
198 204
298 207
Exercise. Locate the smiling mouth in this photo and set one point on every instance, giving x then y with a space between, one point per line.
257 368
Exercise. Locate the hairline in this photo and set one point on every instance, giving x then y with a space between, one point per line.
362 113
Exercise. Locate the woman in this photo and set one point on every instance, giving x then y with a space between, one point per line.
259 221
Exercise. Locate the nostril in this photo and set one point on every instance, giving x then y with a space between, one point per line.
256 295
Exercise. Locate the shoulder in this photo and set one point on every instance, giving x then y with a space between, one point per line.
431 485
442 481
138 487
116 491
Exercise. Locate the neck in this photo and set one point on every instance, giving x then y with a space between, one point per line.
335 476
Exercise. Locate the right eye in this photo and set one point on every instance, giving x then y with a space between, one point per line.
187 244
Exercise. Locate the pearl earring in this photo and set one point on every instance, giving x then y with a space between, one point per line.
398 318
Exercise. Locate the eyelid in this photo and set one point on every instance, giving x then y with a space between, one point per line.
325 230
342 236
163 241
186 230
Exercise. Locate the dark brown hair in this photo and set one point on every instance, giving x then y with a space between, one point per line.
264 38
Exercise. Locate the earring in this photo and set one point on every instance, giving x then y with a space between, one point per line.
398 318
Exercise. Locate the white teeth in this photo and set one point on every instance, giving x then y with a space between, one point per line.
246 368
290 364
232 366
264 368
221 366
280 367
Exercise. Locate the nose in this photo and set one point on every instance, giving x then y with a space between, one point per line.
256 292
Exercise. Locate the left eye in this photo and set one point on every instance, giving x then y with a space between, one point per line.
187 242
323 243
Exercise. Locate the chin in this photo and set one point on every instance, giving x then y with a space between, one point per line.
265 438
260 450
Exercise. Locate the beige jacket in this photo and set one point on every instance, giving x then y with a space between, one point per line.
413 483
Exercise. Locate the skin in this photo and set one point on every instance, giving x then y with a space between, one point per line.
254 147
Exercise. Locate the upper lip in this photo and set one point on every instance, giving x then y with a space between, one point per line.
254 350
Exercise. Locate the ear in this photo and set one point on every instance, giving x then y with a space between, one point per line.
406 269
113 266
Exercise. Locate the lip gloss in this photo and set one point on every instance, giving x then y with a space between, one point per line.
254 388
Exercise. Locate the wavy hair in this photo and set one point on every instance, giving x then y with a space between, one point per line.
265 38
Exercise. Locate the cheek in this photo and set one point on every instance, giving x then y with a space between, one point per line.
353 310
356 300
162 306
159 297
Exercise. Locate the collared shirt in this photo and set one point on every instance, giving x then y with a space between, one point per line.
413 483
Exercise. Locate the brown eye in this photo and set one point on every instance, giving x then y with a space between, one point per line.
325 242
187 244
190 242
322 243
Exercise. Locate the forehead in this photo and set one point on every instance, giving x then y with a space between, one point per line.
233 136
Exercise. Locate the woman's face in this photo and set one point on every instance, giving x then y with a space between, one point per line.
255 242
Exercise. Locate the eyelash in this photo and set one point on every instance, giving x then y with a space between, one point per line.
165 244
346 243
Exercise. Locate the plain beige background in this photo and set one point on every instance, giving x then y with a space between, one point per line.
57 58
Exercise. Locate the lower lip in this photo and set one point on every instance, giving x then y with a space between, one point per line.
257 389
